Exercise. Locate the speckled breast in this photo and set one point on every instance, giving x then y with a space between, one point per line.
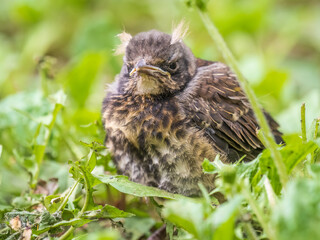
153 143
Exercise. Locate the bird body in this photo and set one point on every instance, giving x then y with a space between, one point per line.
168 110
156 145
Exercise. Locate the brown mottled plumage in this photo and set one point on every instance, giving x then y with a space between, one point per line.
168 110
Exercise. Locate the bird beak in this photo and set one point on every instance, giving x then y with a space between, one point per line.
142 67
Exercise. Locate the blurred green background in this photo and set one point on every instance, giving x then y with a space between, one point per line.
50 45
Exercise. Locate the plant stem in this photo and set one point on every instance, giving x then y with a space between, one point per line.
39 158
272 197
67 233
253 204
84 207
303 123
316 128
265 128
251 234
250 231
87 188
65 200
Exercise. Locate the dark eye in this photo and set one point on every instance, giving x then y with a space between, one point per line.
173 66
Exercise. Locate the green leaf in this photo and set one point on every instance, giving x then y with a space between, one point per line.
182 218
296 151
293 153
226 230
188 214
91 162
39 152
122 184
106 212
53 202
74 170
208 167
226 211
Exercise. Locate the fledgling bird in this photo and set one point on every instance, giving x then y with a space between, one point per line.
168 110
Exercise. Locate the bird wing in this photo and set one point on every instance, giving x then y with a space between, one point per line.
215 102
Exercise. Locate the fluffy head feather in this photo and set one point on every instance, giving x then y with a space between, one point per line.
124 39
179 32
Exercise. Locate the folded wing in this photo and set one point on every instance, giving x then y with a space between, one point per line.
216 104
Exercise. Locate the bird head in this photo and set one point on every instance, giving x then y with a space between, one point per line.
156 63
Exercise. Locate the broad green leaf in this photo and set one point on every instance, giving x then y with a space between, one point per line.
107 211
91 162
226 230
93 181
186 214
123 184
296 151
226 211
292 153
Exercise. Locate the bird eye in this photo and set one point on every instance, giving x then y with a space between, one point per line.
173 66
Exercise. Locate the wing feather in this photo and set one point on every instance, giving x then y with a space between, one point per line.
216 103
